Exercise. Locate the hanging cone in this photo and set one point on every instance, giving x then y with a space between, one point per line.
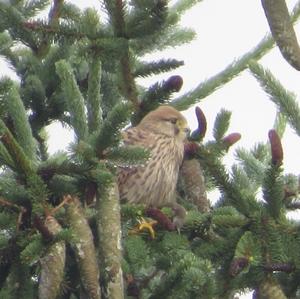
193 182
84 249
52 264
282 30
109 229
270 289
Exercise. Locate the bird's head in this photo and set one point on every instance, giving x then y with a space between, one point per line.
166 120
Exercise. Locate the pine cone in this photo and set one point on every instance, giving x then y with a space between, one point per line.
276 148
200 132
193 182
84 249
270 289
282 29
174 83
52 264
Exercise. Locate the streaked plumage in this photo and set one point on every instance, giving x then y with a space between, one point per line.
163 132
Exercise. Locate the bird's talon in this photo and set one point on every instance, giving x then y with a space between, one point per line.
144 225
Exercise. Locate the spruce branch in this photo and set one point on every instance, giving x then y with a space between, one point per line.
166 38
273 187
70 12
22 129
75 100
181 6
21 161
37 190
5 157
58 32
5 42
128 83
206 88
18 283
109 131
116 10
145 69
244 203
12 20
16 208
254 168
33 250
285 100
147 20
6 203
159 92
38 193
221 124
282 30
32 8
53 16
153 25
90 23
94 96
209 86
245 182
124 156
280 123
228 217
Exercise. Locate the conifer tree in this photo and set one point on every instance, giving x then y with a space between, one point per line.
64 233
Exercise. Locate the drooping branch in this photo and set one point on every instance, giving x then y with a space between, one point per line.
109 230
84 248
52 263
209 86
116 10
282 30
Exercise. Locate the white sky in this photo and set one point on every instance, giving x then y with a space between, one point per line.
227 30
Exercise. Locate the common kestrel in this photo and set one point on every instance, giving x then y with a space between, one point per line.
163 132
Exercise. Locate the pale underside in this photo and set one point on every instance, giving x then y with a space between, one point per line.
153 183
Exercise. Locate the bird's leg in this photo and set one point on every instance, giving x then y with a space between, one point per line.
179 212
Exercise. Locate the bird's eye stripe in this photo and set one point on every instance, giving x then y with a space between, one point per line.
172 120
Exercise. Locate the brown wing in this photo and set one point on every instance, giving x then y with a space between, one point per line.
135 137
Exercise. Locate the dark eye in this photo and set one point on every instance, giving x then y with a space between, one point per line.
173 120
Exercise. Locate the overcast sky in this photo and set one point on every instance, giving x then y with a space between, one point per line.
225 31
